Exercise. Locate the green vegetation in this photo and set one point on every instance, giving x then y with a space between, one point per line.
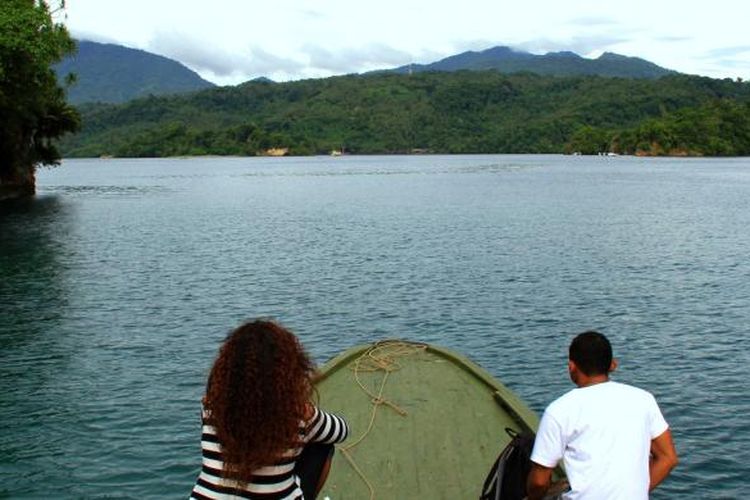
446 112
718 128
32 104
115 74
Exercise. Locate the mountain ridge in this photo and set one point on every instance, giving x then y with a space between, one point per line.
112 73
564 63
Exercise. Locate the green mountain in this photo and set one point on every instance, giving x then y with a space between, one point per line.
507 60
456 112
114 74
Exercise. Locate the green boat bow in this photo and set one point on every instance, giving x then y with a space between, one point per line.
425 422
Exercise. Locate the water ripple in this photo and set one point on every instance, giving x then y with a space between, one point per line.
119 283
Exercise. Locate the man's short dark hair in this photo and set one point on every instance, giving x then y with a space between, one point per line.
591 352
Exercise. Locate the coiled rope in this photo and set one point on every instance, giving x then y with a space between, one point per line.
383 358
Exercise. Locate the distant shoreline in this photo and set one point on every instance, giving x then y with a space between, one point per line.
360 155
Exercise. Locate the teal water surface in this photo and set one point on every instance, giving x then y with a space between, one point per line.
119 281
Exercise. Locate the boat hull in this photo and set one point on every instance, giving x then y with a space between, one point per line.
425 422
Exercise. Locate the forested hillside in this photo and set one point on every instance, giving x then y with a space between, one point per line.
114 74
458 112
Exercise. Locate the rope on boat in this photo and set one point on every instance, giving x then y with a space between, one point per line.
381 357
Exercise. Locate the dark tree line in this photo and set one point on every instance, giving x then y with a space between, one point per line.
460 112
33 109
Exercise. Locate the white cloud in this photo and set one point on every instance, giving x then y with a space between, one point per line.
93 36
295 39
355 59
201 55
727 52
312 14
581 45
593 21
672 38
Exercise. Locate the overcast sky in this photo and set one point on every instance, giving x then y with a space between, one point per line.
231 41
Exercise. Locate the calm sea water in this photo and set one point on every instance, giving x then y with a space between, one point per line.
119 281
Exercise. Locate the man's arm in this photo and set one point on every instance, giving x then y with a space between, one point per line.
538 482
663 458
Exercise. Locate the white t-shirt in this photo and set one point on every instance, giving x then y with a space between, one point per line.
603 434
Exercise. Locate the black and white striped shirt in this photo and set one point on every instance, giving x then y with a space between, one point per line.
274 482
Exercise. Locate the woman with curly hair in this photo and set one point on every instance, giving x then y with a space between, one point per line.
258 419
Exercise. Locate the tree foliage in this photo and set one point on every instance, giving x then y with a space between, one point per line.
720 127
33 110
459 112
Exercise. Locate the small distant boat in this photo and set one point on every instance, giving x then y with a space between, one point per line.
426 422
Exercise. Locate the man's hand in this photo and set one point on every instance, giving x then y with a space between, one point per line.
538 482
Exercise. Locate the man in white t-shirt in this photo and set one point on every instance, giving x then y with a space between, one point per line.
611 437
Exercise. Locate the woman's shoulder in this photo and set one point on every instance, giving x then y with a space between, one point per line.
311 411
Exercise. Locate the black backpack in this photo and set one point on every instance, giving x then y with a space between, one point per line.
507 477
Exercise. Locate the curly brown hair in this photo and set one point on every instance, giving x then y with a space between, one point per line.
257 395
